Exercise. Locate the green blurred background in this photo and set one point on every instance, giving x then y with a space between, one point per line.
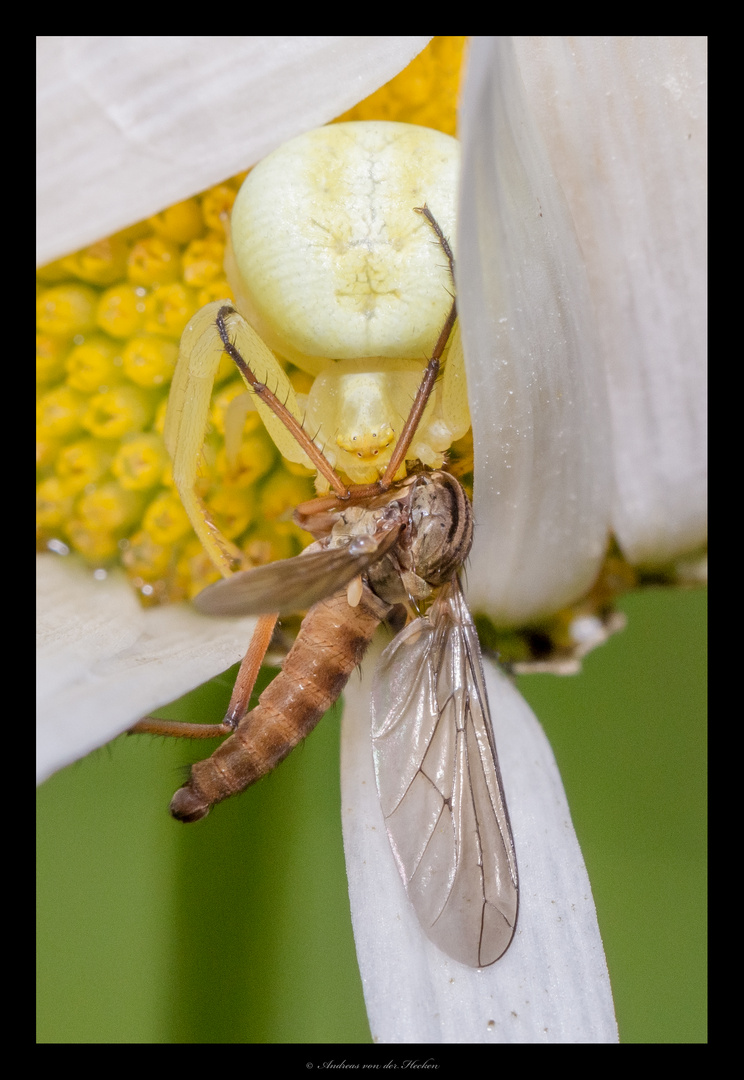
238 929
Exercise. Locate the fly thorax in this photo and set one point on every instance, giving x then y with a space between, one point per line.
441 527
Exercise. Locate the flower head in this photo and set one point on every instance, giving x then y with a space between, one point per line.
551 460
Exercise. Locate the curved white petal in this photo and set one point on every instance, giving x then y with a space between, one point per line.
540 420
625 123
552 984
128 125
103 661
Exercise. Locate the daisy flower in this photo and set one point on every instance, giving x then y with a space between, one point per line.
581 286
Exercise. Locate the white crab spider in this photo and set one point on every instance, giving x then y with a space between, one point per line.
333 270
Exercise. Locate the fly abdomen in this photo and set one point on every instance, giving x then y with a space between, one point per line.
331 642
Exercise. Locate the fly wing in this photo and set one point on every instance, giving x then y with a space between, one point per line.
439 783
290 585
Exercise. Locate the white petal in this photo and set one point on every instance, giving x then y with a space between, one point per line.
536 390
103 661
128 125
625 122
552 984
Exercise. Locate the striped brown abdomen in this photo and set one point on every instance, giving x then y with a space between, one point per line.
331 642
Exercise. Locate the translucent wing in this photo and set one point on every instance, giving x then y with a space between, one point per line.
439 783
290 585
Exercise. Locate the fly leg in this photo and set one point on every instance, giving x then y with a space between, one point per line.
239 700
249 669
